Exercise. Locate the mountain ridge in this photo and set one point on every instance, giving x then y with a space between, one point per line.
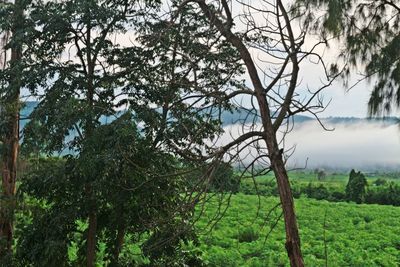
241 115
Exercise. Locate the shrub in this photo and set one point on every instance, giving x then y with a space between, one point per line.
379 182
247 235
355 189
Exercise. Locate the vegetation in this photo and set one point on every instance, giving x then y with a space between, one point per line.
355 188
243 237
124 165
384 189
107 169
11 24
368 29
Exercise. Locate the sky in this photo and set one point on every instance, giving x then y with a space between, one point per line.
347 102
366 146
343 102
350 101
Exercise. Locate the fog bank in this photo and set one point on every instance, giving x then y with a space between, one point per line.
363 145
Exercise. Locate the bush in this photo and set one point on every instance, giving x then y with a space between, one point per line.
380 182
247 235
218 176
384 195
338 196
355 189
318 192
224 179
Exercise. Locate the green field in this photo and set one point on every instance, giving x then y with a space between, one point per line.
332 179
251 230
355 235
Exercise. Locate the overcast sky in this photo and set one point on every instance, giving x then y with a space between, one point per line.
361 145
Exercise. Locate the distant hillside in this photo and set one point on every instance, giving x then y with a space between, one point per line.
354 120
241 115
27 109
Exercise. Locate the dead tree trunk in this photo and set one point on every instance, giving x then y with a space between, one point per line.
269 127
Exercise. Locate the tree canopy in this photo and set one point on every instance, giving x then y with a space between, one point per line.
370 33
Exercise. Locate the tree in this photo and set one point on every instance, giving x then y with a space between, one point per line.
355 188
222 179
370 33
131 197
273 90
320 173
127 120
11 25
83 90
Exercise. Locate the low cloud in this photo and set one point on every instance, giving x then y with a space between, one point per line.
361 145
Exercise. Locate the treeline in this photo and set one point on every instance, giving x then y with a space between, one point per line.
378 192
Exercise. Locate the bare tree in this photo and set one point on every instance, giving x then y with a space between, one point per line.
270 45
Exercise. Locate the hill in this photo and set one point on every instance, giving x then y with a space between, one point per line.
240 115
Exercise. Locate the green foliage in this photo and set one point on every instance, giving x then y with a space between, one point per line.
91 103
333 188
386 195
356 187
128 193
217 176
248 234
224 179
380 182
351 232
167 247
371 36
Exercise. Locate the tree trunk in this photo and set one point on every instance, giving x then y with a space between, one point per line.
119 242
9 175
277 164
292 235
91 240
92 230
10 141
292 245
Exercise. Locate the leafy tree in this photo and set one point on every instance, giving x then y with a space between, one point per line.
356 187
318 192
380 182
121 177
370 33
131 197
388 194
11 68
77 94
220 175
224 179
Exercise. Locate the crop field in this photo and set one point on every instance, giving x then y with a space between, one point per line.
333 234
249 230
331 179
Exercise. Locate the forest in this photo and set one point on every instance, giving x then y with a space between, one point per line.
165 133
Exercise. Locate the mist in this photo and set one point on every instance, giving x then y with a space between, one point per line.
363 145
